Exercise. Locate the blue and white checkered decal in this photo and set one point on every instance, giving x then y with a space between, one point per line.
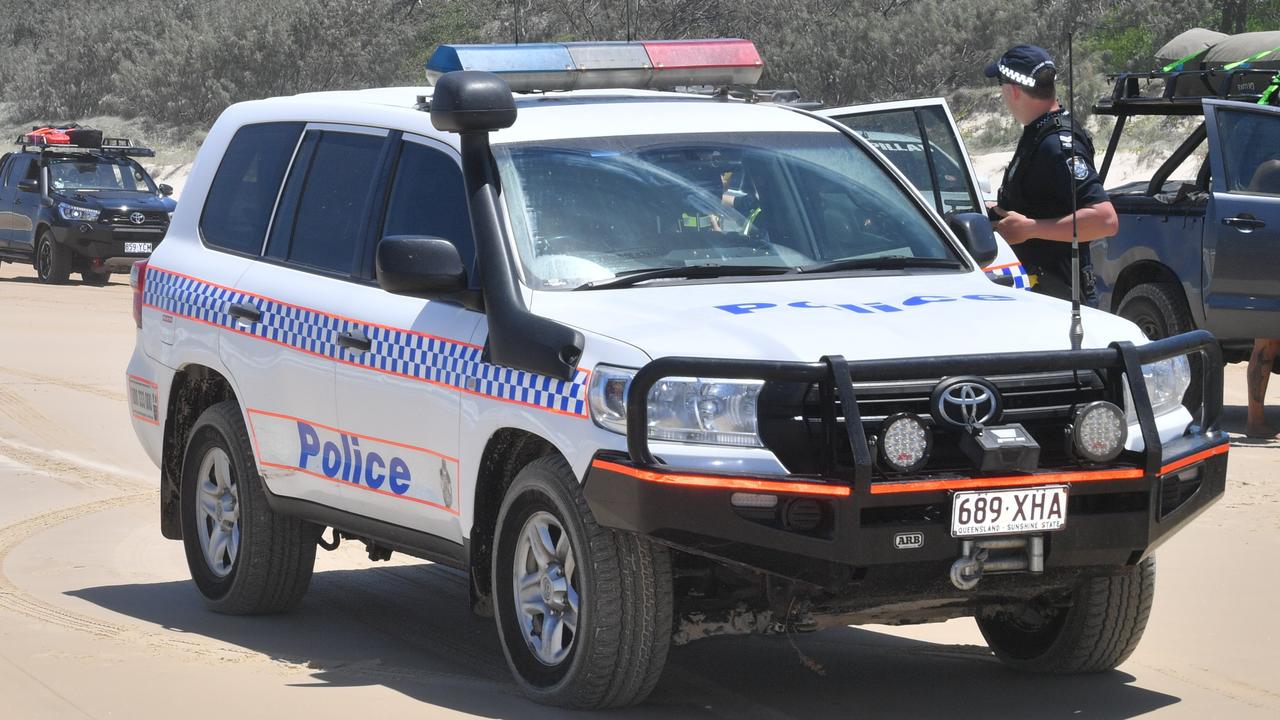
1015 271
398 352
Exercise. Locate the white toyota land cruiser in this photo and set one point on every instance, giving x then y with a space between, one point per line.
649 367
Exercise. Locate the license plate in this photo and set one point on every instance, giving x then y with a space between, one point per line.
137 247
1006 512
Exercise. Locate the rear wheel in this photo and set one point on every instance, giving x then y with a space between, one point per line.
53 261
244 558
1160 311
1094 630
583 612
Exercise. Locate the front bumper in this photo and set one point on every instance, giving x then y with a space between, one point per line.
1117 514
115 245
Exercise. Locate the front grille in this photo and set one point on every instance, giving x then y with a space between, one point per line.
120 219
790 418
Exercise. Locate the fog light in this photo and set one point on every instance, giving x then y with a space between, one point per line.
905 442
1099 431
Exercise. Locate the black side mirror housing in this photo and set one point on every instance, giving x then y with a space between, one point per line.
471 101
165 190
29 185
975 233
425 267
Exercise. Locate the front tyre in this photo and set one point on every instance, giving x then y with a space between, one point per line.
53 260
583 612
96 278
1097 629
244 558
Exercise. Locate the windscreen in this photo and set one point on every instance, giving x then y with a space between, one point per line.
585 210
98 173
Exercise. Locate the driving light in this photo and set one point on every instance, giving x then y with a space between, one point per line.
905 442
72 212
1099 431
692 410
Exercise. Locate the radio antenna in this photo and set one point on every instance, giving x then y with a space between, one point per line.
1077 327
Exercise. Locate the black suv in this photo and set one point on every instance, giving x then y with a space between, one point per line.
1199 240
72 201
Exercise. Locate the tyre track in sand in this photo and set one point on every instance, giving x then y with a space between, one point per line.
190 648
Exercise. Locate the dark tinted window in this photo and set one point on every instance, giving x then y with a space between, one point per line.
1251 151
238 209
428 198
17 169
332 208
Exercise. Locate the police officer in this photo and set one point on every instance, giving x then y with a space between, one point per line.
1054 158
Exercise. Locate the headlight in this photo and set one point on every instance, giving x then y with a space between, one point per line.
1167 381
692 410
72 212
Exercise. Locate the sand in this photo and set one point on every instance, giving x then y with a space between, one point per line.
98 617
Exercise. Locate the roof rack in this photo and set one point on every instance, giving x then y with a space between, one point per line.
107 146
1180 92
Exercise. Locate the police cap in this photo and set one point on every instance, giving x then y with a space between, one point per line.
1019 65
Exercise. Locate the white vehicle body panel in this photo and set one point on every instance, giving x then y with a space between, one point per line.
441 428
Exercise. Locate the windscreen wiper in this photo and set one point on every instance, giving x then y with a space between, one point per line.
691 272
884 262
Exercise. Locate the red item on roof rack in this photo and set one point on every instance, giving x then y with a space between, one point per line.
48 136
71 135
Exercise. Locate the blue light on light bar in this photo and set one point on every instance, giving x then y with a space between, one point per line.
576 66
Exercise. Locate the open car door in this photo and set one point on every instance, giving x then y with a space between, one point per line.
921 139
1242 228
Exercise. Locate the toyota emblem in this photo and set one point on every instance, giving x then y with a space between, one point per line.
137 218
964 402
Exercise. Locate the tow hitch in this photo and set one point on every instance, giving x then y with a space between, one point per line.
996 555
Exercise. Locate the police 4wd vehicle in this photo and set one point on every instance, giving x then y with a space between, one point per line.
74 201
648 367
1200 239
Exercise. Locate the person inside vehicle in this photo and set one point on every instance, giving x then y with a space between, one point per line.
1053 162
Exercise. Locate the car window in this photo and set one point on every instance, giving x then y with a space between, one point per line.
1250 151
428 198
592 209
238 209
950 175
920 143
331 212
94 173
16 170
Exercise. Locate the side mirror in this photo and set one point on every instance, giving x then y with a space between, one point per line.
29 186
165 190
975 233
471 101
425 267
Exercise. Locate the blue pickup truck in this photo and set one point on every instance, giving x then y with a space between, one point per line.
1199 240
73 201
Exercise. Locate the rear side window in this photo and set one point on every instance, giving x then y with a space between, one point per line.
238 209
332 208
428 198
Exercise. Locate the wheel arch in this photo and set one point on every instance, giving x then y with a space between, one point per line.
507 451
1139 273
194 389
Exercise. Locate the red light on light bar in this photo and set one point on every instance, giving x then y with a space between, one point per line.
685 54
704 62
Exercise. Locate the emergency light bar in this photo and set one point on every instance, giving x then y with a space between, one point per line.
597 65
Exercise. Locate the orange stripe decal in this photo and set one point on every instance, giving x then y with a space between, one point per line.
725 483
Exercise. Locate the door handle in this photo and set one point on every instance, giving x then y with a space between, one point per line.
1244 223
247 312
355 340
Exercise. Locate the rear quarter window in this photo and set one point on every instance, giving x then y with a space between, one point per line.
238 208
